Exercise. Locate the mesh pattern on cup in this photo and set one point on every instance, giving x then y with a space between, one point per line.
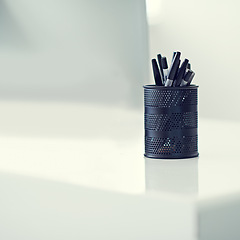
170 122
175 116
171 146
170 97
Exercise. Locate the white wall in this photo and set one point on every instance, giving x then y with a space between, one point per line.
207 32
86 50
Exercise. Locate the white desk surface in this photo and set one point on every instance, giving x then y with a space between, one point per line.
102 148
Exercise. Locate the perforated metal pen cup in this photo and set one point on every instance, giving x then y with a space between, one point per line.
171 121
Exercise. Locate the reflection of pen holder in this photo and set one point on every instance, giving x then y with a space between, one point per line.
171 121
172 176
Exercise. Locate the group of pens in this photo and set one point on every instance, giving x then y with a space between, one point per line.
176 75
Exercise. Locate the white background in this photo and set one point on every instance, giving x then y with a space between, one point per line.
208 34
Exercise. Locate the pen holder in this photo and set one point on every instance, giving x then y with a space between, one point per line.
171 121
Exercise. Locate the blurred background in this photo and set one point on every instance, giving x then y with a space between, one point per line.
208 34
71 91
73 50
66 63
83 51
71 96
75 69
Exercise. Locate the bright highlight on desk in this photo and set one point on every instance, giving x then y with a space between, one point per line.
174 77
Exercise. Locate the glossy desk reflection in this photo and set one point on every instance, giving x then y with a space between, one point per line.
172 176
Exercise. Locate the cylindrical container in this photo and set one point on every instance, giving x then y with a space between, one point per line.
171 121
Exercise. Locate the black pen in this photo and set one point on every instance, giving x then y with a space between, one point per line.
189 66
156 73
165 68
187 78
174 53
179 61
159 58
191 78
181 73
173 70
